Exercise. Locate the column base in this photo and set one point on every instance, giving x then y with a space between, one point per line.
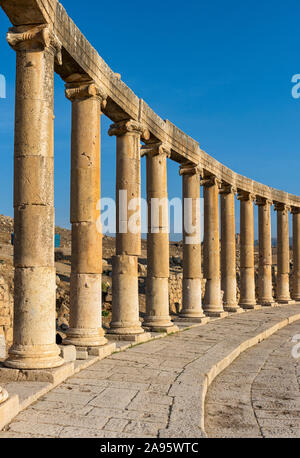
192 316
188 313
119 328
157 322
192 319
213 309
156 328
37 357
83 353
233 309
216 314
135 338
68 353
285 301
85 337
296 298
268 303
191 298
103 351
249 306
54 375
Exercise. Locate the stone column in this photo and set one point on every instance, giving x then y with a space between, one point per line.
157 292
3 395
85 287
34 332
283 254
228 249
191 284
125 304
265 287
296 254
247 278
212 303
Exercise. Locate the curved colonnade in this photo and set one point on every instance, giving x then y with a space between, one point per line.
54 44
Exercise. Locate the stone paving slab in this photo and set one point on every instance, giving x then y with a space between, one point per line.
263 401
152 390
31 385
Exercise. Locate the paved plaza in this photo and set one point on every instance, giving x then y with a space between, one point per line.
156 389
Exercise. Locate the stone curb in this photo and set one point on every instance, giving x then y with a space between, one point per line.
187 417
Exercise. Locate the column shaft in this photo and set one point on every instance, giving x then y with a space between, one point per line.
34 333
265 287
228 249
296 254
157 293
125 303
247 279
212 303
85 287
191 284
283 255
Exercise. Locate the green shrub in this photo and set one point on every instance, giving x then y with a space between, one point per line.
105 287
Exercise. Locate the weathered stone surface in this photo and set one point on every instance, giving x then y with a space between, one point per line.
212 303
85 285
8 410
158 304
34 227
265 289
159 388
228 249
2 346
6 317
87 248
247 281
34 310
283 254
258 395
68 353
125 310
85 320
191 283
34 330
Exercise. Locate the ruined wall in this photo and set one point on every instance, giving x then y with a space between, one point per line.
6 316
175 292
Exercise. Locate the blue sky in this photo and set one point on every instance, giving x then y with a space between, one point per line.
219 70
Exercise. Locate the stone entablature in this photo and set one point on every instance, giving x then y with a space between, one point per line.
122 103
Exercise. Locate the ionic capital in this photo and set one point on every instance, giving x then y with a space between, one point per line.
190 169
228 189
155 149
38 37
129 126
85 90
245 196
295 210
281 207
211 181
3 395
262 201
